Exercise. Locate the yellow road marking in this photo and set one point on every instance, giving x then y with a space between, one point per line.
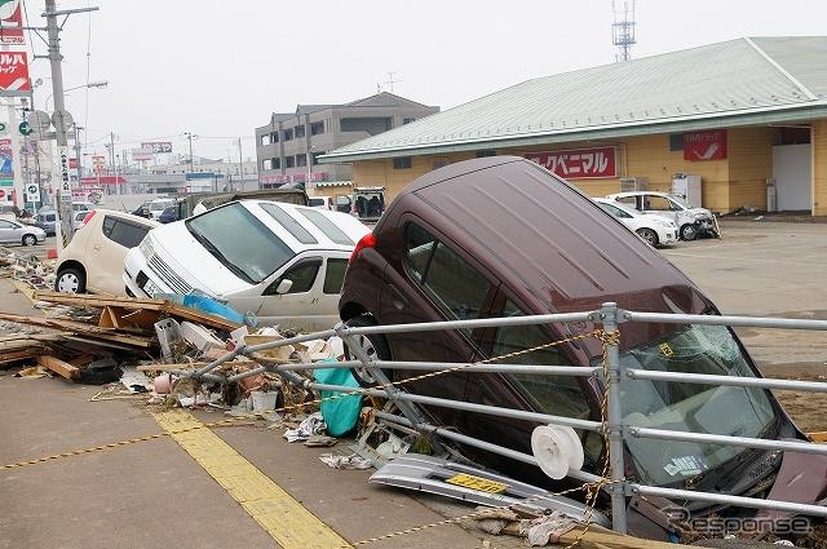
284 518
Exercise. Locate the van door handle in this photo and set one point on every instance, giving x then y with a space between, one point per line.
399 300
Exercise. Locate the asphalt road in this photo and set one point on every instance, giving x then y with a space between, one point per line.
154 493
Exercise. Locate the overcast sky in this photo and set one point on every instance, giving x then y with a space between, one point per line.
219 68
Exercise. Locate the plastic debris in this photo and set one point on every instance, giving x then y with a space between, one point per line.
345 462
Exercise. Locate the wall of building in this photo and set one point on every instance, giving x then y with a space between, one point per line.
819 145
728 184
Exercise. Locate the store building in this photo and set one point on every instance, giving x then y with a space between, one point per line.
288 147
748 116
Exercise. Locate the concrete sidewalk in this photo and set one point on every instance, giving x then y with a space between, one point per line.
153 493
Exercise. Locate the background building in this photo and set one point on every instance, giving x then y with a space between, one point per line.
748 117
288 147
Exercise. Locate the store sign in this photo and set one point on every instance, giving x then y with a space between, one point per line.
14 74
707 145
11 23
579 163
142 154
98 164
157 147
6 171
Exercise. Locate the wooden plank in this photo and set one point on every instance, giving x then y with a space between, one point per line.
8 357
132 303
600 538
819 437
61 368
72 326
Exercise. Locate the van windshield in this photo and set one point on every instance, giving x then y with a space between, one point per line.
240 242
681 406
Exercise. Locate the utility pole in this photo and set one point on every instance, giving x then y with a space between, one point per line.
65 193
77 151
240 166
189 137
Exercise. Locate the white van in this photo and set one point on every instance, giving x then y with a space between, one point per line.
280 262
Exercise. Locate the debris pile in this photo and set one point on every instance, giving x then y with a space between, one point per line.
27 268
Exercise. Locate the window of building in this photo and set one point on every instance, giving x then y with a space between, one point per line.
408 120
316 128
276 163
265 139
298 131
402 163
288 134
289 162
675 141
274 137
301 160
267 164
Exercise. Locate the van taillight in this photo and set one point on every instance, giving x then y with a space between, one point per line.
88 217
367 241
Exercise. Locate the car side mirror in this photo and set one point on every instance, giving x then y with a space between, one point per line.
284 286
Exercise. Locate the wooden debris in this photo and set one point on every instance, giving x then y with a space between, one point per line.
106 334
61 368
132 304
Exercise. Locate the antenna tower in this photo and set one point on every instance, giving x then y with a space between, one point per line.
623 28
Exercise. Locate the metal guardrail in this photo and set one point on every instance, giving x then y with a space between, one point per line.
612 374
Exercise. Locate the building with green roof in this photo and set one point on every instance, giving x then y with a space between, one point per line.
748 116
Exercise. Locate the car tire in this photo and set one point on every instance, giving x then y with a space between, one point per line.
70 281
648 235
29 240
376 346
689 231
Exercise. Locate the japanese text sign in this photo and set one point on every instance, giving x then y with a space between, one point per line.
11 23
14 74
579 163
157 146
707 145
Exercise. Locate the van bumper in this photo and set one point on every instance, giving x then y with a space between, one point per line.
139 279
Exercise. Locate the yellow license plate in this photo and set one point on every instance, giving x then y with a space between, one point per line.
477 483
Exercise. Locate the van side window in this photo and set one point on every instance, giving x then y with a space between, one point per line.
334 276
303 274
556 395
457 288
125 234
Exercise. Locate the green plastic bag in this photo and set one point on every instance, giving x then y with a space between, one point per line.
340 414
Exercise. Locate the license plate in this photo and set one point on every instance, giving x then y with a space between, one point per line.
151 289
478 483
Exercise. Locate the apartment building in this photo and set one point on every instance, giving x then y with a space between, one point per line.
287 147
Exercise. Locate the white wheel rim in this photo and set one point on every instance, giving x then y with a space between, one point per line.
68 283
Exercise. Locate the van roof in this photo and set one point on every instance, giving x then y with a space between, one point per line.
567 252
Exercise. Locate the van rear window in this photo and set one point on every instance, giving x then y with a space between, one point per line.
329 228
289 223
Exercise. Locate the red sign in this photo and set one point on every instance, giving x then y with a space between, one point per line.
579 163
14 74
708 145
102 180
98 164
11 23
73 163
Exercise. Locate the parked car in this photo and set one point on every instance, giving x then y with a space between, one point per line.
93 260
158 205
47 220
280 262
368 203
9 211
503 237
691 222
79 217
654 229
169 214
14 232
321 202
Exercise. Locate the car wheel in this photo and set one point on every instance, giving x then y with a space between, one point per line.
689 232
29 240
648 235
374 345
70 281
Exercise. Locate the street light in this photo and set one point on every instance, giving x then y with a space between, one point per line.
97 84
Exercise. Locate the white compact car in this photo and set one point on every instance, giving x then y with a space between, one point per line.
282 263
93 260
691 222
654 229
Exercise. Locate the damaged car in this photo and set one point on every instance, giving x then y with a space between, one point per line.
503 237
278 263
